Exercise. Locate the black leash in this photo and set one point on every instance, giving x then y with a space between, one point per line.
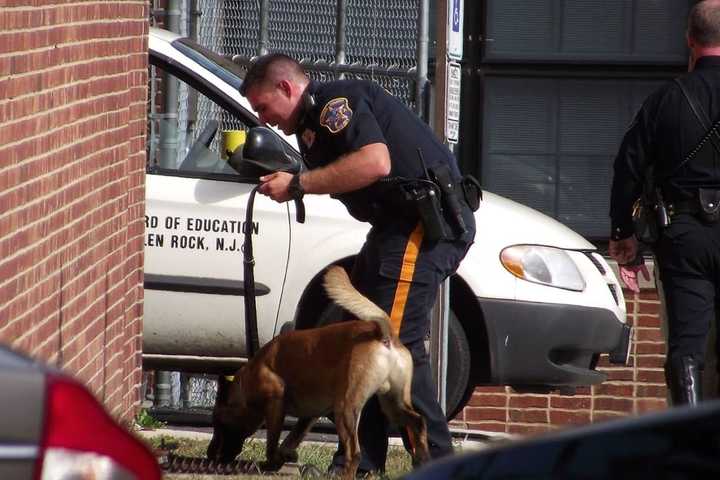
252 342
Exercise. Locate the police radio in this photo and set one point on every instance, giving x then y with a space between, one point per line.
308 101
425 195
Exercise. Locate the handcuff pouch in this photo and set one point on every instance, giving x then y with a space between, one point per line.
709 204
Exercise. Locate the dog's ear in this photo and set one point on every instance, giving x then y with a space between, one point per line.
224 382
229 390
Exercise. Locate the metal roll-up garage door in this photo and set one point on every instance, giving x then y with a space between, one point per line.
553 88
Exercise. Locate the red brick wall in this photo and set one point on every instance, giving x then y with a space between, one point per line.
636 388
73 89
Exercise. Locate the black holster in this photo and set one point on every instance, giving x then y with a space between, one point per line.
650 216
451 198
436 201
472 192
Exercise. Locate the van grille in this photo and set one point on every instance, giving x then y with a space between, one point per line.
603 271
596 262
613 291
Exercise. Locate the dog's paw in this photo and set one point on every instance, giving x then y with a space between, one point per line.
270 466
288 455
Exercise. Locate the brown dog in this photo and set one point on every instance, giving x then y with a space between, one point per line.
311 373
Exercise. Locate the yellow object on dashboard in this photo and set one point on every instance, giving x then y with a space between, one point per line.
232 139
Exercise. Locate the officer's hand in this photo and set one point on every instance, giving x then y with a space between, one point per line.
275 186
623 251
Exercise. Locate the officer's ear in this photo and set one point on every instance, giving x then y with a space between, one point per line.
285 87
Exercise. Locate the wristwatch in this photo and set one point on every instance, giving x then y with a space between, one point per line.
295 189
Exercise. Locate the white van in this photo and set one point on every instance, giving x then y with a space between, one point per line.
539 325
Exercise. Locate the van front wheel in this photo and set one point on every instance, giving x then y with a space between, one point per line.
458 388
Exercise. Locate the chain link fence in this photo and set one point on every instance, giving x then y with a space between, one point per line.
179 390
380 36
379 42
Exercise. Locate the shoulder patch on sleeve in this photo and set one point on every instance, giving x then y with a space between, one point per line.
336 114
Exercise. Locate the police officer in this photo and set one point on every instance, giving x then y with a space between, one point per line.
363 147
670 140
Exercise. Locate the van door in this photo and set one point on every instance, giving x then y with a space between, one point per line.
195 219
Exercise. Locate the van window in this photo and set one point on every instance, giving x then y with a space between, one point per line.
187 130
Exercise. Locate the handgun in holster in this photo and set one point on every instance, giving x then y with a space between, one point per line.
452 207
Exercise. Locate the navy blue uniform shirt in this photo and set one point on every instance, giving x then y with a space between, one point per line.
350 114
662 134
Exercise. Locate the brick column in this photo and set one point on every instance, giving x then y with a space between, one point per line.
73 89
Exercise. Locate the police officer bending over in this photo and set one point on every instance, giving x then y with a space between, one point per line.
672 139
365 148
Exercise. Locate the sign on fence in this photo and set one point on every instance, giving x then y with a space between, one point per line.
455 29
452 102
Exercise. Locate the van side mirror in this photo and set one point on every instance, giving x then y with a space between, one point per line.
263 149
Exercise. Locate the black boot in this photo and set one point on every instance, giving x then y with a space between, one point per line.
684 378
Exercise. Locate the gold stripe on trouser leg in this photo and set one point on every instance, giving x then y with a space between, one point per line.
406 274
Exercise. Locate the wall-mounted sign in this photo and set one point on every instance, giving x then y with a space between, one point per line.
455 29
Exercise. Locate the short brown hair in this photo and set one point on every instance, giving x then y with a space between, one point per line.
704 23
271 68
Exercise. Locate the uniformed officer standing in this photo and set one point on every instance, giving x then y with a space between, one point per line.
357 142
669 138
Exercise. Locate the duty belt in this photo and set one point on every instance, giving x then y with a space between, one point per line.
690 207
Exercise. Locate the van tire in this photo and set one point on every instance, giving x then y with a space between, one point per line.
458 389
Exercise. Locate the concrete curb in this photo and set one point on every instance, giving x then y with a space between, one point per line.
460 437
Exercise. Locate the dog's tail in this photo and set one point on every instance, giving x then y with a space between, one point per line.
341 291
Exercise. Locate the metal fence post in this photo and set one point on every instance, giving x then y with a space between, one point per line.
185 391
422 57
168 142
263 33
340 23
163 389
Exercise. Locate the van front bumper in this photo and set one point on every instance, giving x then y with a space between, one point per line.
552 345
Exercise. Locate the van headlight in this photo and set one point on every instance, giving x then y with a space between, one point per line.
545 265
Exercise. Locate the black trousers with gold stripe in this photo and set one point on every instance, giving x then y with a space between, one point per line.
402 274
